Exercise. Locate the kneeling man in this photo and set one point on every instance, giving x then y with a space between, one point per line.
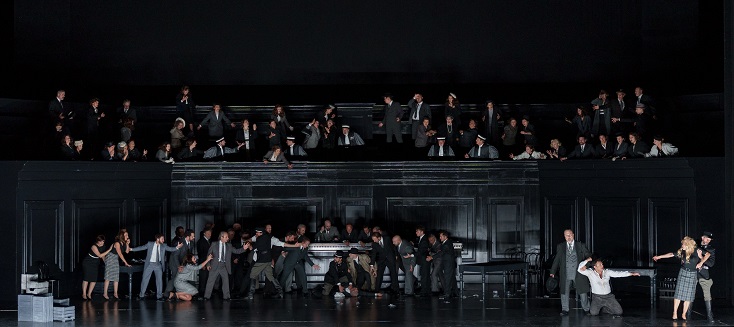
601 292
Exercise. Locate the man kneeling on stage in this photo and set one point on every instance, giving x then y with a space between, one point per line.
601 292
338 275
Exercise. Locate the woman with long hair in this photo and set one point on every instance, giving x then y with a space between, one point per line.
67 148
185 290
452 108
90 266
691 261
582 122
164 153
278 115
112 263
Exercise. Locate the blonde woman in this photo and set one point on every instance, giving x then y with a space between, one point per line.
556 151
691 261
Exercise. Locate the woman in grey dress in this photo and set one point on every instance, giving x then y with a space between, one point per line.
112 262
184 289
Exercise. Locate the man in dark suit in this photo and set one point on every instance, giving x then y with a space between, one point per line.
221 265
246 136
383 255
154 263
126 112
392 119
482 150
582 150
94 117
294 151
620 148
568 256
338 274
604 149
214 120
177 258
704 276
423 249
349 235
619 110
448 265
202 248
636 148
294 262
56 109
418 110
641 98
490 116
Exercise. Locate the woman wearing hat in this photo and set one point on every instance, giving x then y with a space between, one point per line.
177 135
691 261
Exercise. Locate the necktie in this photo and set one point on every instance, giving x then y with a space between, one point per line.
291 150
440 151
221 252
570 248
61 104
380 242
221 151
621 104
479 151
582 148
417 112
346 139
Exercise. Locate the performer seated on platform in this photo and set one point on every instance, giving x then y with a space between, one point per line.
467 137
528 131
482 150
190 152
177 135
359 268
327 233
661 149
604 149
183 283
450 131
275 155
109 154
637 148
529 153
424 134
620 148
440 149
312 134
349 235
247 136
581 151
294 151
300 233
134 153
348 138
219 151
365 235
556 151
338 275
164 153
601 292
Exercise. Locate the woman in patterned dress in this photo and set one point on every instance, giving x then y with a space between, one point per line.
691 260
112 265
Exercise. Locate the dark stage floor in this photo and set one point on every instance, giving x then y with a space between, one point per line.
292 311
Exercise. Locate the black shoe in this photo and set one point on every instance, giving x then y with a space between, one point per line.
588 313
616 316
408 295
206 299
564 313
160 299
227 299
199 298
137 297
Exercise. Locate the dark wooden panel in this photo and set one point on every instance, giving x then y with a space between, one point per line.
43 234
150 218
613 230
199 211
560 214
92 218
669 222
356 211
456 215
506 227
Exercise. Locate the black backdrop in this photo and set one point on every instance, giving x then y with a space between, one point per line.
95 46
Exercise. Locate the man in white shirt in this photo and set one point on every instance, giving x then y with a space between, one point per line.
601 292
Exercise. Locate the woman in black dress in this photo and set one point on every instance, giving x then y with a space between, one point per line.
185 107
691 261
90 266
278 115
452 108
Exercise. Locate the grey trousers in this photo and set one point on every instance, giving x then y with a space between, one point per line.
409 279
606 302
393 128
706 288
436 275
149 270
219 269
565 297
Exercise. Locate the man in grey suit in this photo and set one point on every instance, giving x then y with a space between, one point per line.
154 264
418 110
327 233
176 259
405 251
391 121
213 122
221 265
568 256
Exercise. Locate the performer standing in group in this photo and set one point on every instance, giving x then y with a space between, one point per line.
601 291
90 266
568 256
704 276
691 261
154 263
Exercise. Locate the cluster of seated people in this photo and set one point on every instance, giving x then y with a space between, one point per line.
616 130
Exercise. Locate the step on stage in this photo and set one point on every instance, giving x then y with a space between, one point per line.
294 310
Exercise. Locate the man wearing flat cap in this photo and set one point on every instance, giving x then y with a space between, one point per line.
338 274
704 275
440 149
218 151
482 150
391 121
